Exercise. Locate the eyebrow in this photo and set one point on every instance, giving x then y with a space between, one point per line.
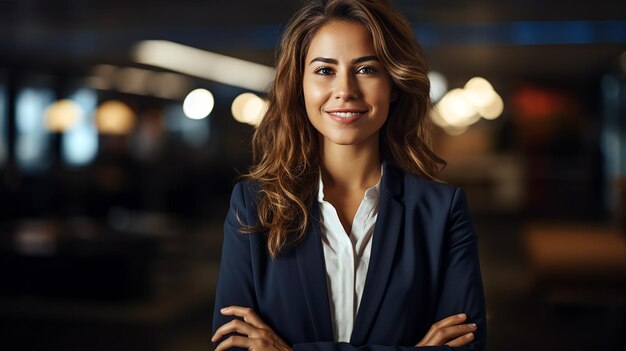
335 62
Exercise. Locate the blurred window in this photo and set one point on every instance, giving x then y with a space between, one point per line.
79 145
32 149
3 122
613 140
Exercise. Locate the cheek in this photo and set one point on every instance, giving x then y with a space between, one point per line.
381 101
314 96
388 97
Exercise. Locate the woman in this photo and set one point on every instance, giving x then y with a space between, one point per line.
340 238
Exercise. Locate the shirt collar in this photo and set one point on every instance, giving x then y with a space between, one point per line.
370 194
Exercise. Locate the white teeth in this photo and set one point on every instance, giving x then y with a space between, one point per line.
346 114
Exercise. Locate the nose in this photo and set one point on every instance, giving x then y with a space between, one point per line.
346 87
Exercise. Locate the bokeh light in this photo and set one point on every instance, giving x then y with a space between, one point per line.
115 117
479 91
460 108
456 109
249 108
198 104
63 115
79 145
494 109
438 85
32 140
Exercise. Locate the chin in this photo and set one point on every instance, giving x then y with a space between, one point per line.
345 140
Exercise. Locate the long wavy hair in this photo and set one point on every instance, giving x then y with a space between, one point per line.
286 147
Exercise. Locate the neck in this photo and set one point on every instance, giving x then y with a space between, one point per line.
350 167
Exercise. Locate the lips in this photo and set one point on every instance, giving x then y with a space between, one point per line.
345 116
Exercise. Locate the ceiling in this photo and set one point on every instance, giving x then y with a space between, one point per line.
471 37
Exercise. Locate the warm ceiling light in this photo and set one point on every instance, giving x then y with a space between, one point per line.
494 109
204 64
482 95
115 117
480 92
456 109
63 115
249 108
460 108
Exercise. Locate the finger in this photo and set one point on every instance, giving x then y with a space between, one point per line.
446 322
247 314
461 340
446 334
234 326
234 341
450 321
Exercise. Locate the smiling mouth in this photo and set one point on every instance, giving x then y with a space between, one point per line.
345 117
346 114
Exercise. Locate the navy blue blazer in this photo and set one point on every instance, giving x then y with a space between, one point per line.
423 267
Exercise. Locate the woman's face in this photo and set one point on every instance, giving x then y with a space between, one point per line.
347 91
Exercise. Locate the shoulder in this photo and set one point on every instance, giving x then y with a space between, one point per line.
441 205
417 193
244 200
413 187
412 181
245 192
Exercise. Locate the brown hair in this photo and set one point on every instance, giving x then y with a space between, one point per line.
286 146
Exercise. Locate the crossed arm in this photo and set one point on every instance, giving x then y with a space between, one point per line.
253 334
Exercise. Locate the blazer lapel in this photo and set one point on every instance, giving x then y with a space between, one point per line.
310 258
389 225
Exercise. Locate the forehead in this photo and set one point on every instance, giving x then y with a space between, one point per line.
337 39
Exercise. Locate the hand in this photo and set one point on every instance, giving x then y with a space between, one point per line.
449 331
255 334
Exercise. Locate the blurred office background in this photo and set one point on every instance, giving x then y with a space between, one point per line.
121 135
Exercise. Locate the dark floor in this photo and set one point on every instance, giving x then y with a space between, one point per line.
521 314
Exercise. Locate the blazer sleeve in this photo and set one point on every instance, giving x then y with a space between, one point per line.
462 288
235 284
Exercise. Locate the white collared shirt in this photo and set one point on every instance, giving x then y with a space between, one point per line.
347 258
